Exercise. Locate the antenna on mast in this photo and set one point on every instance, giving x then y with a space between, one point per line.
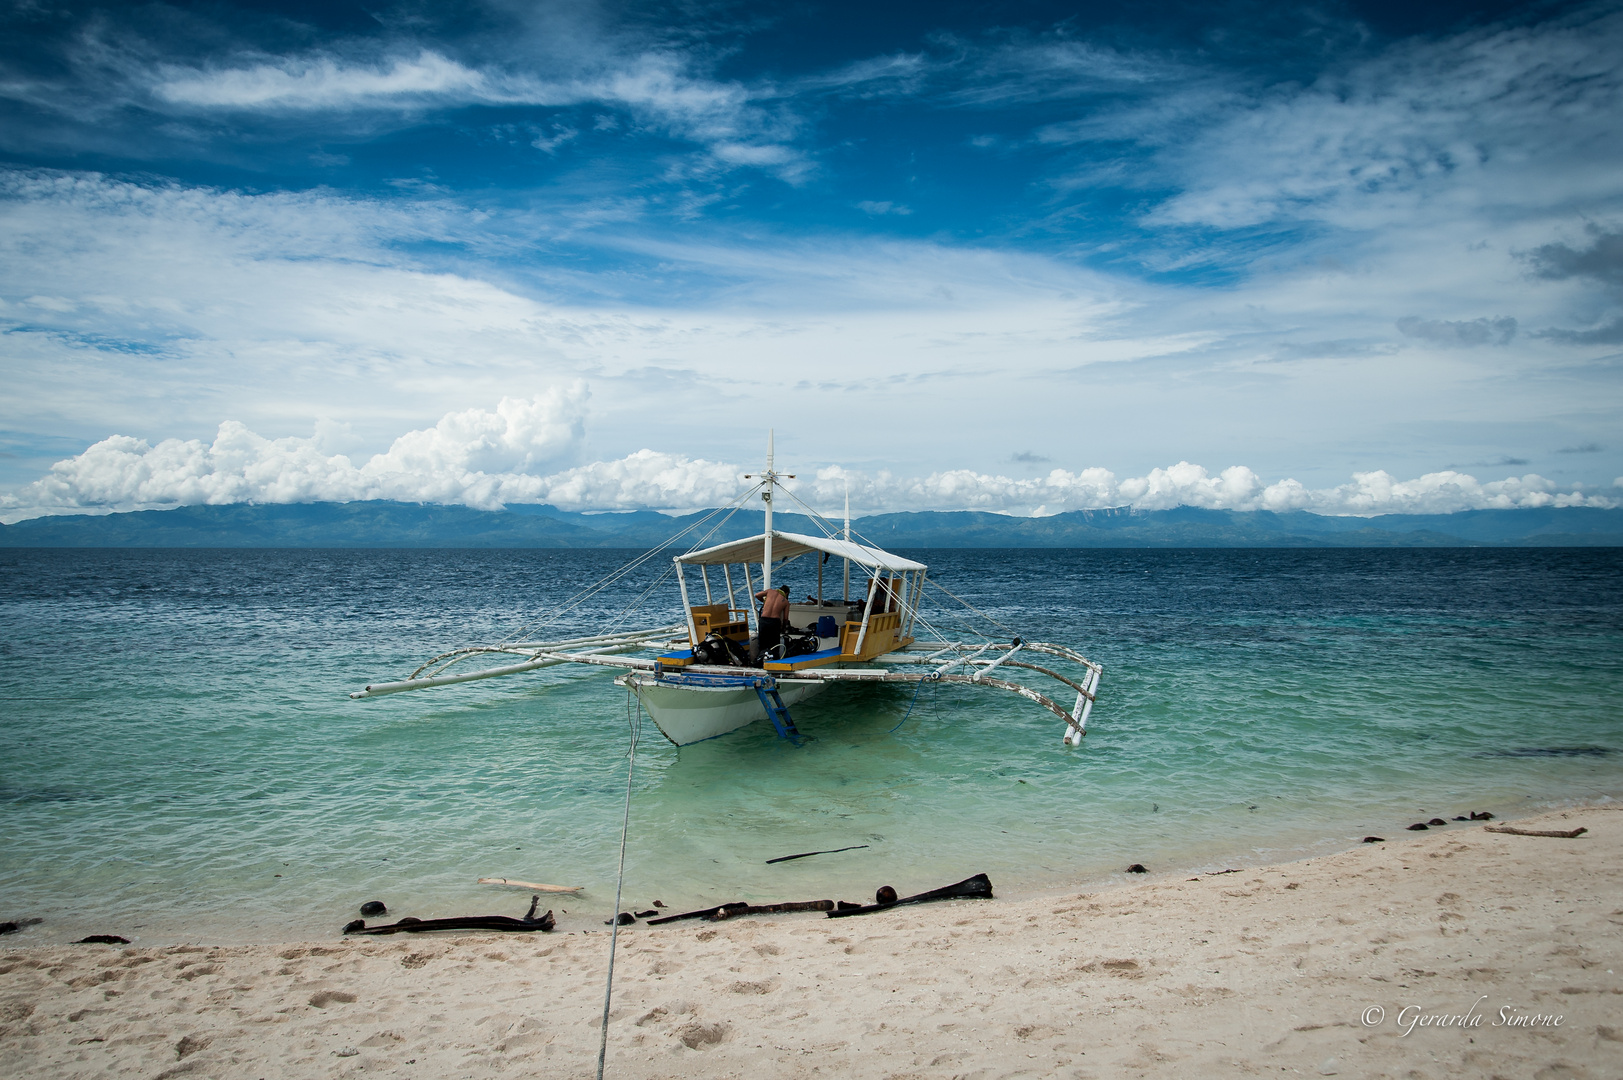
766 497
769 478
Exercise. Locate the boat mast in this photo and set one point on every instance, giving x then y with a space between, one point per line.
770 478
766 497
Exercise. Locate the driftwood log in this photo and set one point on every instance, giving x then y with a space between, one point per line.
532 886
978 887
744 907
468 922
702 913
1512 830
771 909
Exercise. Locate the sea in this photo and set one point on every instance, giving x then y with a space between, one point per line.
180 760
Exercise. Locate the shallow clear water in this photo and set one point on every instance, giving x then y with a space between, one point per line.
181 760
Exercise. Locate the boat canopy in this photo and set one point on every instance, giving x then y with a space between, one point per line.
786 545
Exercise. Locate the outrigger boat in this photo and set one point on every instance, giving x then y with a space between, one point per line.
707 675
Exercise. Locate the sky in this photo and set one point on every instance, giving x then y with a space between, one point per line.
1025 257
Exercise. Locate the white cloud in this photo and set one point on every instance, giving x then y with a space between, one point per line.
487 459
645 479
1185 484
561 133
473 457
158 309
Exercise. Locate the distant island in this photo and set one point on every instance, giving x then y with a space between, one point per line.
412 525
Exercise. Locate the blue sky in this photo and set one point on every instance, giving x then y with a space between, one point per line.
1025 257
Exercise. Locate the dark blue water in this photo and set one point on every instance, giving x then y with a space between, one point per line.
181 760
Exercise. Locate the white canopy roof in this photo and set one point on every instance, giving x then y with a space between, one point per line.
786 545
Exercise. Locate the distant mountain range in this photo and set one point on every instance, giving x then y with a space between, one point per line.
410 525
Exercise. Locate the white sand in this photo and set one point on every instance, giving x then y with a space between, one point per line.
1265 971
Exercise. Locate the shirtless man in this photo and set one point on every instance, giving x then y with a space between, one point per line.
774 611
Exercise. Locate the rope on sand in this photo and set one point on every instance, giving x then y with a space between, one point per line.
634 722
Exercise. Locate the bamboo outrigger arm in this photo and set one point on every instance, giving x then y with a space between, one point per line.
875 676
602 647
1052 674
534 648
978 659
984 667
970 680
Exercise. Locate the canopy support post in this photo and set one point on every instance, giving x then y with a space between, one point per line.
749 591
867 613
918 598
687 610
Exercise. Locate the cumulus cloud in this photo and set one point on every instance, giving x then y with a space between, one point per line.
474 457
490 458
1186 484
640 481
1473 332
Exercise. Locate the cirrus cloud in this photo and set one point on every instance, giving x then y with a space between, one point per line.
738 124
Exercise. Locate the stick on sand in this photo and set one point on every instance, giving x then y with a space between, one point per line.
809 854
530 885
1512 830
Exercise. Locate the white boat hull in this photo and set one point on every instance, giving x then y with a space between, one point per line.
690 714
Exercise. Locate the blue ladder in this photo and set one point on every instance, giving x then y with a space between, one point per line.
776 710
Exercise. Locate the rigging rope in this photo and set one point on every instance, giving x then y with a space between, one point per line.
973 608
580 597
602 583
635 724
829 529
669 570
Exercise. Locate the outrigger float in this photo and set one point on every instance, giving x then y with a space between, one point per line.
707 675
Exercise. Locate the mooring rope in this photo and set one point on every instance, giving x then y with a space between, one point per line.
634 722
916 688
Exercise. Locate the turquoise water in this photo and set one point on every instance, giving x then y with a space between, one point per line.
181 761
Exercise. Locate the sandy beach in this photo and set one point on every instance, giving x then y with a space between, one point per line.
1450 952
